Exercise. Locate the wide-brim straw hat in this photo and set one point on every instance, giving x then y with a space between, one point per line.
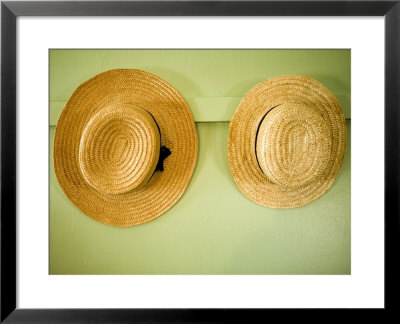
287 141
125 147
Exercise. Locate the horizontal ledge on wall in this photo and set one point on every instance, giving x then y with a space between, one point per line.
204 109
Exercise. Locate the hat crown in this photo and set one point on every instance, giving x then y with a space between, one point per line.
119 148
293 144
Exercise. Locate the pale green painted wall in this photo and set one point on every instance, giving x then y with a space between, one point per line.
213 229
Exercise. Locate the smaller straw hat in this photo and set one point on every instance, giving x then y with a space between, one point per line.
287 141
125 147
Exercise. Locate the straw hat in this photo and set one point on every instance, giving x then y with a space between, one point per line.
287 141
125 147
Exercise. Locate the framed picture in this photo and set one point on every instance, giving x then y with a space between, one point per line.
208 229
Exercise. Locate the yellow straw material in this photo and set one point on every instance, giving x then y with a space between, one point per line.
107 147
287 141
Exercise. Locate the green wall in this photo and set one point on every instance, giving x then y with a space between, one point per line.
213 229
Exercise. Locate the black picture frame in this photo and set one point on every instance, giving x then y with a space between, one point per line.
11 10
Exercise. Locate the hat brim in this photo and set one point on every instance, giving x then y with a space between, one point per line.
178 133
251 181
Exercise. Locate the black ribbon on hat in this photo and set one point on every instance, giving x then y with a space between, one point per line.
164 151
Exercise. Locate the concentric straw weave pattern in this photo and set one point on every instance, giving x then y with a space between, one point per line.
119 149
286 142
107 143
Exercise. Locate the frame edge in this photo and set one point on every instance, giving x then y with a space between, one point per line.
8 162
392 152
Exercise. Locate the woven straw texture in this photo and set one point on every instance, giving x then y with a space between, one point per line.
287 141
107 145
